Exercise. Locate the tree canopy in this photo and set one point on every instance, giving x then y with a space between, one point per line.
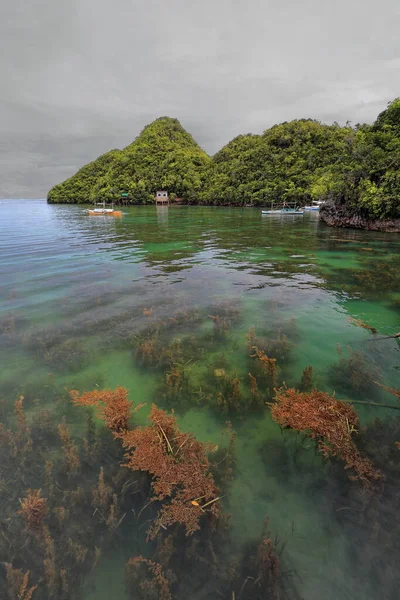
299 161
78 189
163 156
368 181
283 164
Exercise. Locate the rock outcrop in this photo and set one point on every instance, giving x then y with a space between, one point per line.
343 216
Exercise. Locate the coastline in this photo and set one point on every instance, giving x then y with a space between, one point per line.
330 214
341 216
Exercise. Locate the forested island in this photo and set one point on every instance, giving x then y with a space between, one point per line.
354 170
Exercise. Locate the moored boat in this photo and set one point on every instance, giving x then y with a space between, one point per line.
109 212
283 211
314 206
285 208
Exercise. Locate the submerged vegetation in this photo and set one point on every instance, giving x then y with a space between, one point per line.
68 499
147 429
330 422
353 375
55 534
354 169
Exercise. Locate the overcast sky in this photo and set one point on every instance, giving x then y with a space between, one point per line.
79 77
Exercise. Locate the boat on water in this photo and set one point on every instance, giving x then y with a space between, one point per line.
107 210
316 204
285 210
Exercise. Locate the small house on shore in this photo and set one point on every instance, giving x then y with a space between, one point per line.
162 197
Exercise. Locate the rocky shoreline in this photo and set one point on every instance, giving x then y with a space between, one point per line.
341 216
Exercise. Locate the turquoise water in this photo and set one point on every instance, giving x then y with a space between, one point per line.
78 292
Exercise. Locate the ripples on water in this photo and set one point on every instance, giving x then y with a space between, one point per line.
77 292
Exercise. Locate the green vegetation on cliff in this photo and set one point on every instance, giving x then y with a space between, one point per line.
164 156
78 189
287 163
356 168
368 181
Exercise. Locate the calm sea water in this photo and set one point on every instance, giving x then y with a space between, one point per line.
102 281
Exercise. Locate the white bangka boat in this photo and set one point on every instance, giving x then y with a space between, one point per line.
284 210
316 204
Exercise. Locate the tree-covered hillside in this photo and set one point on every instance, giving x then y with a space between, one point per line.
355 169
78 189
164 156
287 163
368 181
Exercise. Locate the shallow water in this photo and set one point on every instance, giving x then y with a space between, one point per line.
102 281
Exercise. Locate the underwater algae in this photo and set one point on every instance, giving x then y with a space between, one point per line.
116 314
159 481
329 421
165 472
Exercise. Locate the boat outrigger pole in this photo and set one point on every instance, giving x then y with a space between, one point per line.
385 337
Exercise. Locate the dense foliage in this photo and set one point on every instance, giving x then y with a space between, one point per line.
295 161
368 182
78 189
287 163
164 156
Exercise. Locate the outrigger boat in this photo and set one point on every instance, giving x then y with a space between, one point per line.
109 212
316 204
284 210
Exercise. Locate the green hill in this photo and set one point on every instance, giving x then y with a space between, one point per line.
163 156
356 170
286 163
368 182
78 189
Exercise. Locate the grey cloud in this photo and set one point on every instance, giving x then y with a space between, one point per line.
81 77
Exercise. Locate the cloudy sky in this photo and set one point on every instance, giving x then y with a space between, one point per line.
80 77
